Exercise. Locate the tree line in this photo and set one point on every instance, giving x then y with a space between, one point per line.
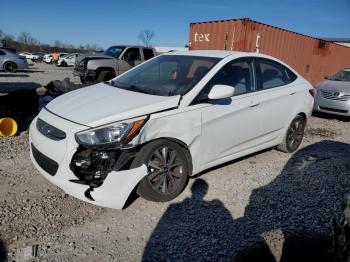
25 42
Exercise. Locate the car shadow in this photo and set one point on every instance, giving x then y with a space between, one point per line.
330 116
31 71
13 75
3 252
288 219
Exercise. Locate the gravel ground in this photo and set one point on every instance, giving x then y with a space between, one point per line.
38 74
263 200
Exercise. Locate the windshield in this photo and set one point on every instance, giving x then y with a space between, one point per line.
166 75
114 51
343 75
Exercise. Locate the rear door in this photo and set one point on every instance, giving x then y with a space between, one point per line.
276 97
230 125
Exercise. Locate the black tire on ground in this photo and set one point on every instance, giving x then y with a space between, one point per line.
64 63
105 75
10 67
293 136
165 179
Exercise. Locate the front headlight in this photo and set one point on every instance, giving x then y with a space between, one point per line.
111 133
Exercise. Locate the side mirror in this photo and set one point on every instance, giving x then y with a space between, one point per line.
221 91
326 77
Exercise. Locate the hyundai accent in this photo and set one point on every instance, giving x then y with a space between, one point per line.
165 120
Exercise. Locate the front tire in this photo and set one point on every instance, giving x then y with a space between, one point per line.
105 75
10 67
83 80
293 136
169 167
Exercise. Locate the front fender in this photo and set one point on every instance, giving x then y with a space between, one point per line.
179 124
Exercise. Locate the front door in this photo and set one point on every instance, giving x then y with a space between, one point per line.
230 126
129 59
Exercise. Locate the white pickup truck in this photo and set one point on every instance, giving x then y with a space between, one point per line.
114 61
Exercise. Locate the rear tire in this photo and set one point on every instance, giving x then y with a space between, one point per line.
105 75
64 64
169 166
293 136
10 67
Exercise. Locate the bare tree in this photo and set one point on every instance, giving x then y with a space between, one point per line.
24 38
58 44
146 37
27 39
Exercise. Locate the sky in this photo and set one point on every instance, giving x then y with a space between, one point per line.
108 22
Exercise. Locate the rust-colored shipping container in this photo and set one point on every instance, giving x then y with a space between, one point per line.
313 58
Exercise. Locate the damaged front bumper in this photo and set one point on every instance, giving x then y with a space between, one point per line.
54 161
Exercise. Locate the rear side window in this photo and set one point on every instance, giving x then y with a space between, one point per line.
148 53
273 74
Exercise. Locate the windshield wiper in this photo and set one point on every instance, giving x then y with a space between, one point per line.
128 87
137 89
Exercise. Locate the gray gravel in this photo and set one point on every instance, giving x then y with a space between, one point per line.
268 198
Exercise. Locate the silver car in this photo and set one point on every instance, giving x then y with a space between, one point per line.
333 94
10 61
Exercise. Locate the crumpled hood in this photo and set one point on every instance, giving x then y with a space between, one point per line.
338 86
92 56
102 104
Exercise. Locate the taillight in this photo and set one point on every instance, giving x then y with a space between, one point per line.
312 92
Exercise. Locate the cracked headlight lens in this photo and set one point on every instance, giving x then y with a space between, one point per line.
111 133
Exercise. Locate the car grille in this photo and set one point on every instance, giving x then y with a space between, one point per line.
334 110
80 67
49 165
334 95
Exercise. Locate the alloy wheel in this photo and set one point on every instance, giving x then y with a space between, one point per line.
165 169
295 133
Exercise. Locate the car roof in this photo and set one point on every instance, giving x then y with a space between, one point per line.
218 53
140 46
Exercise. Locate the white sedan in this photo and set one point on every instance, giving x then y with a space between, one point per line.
165 120
29 56
68 60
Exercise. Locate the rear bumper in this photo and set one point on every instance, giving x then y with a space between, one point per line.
115 189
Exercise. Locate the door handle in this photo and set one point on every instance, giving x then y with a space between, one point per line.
293 93
255 104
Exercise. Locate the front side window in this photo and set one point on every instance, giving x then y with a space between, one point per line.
114 51
273 74
238 74
166 75
132 54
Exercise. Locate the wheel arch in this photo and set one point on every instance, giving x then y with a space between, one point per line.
100 69
177 141
7 62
